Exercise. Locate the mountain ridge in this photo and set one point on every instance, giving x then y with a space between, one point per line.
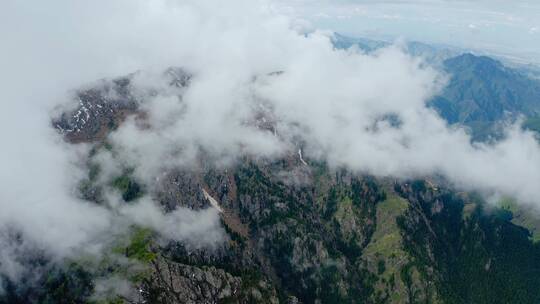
336 237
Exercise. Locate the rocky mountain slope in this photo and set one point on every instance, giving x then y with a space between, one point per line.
296 231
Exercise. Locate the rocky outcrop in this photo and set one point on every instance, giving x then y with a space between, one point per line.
179 283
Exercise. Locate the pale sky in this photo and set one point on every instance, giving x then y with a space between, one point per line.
510 28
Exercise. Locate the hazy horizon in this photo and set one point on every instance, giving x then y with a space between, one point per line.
495 27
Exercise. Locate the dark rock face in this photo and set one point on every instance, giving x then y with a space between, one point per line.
179 283
181 189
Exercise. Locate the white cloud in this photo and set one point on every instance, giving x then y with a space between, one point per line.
334 99
55 48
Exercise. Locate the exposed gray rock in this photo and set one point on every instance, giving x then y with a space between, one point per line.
179 188
180 283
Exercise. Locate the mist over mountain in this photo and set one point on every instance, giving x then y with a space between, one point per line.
226 153
482 93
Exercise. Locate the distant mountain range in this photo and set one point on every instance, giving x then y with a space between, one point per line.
434 54
481 93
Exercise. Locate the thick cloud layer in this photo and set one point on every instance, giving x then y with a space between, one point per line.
364 112
47 51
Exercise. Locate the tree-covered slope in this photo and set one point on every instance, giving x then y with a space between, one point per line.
482 92
336 238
